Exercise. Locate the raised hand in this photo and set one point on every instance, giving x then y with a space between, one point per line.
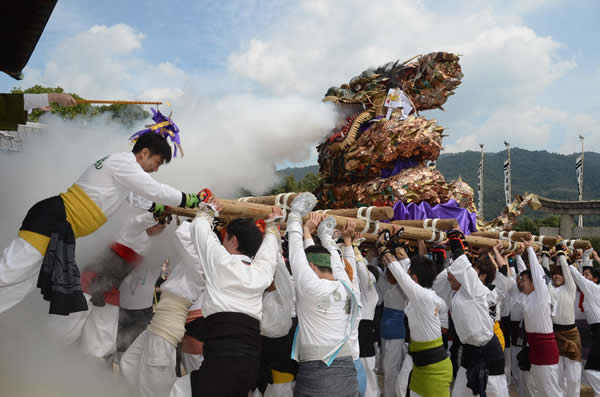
310 226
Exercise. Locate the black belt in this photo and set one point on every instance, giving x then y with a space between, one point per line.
561 327
515 332
195 328
229 349
429 356
491 353
229 335
367 338
593 359
505 327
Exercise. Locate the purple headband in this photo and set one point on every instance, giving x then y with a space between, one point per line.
164 126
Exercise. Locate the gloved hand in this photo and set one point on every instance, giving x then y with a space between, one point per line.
560 249
157 210
301 206
304 203
325 232
438 254
192 200
382 240
204 195
396 244
456 241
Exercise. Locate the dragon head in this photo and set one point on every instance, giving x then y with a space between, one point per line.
426 82
378 151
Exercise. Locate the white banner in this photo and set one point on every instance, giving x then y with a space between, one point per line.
507 187
579 173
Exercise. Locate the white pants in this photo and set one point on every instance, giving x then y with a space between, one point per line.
182 387
191 362
68 328
507 364
593 378
393 351
518 377
20 266
496 385
372 389
543 381
569 376
149 364
402 382
280 390
523 389
99 334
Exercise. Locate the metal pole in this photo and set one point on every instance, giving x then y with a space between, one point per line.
508 199
580 223
481 184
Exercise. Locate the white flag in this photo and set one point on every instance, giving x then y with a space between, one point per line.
507 187
579 173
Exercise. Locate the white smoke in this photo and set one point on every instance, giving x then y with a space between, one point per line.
236 141
229 143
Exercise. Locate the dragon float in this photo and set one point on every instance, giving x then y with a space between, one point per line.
379 155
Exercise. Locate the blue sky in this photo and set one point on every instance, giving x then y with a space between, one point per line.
532 70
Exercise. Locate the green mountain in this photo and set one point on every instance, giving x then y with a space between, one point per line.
548 174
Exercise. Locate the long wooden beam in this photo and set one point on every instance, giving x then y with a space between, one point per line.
577 244
119 102
270 200
375 213
514 236
233 209
438 224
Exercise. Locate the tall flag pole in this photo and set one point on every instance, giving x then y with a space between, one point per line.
507 177
480 185
579 172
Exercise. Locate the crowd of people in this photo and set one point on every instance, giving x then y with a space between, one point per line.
251 308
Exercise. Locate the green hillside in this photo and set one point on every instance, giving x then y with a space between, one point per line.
548 174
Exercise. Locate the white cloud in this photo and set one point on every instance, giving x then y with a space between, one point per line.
106 62
508 67
231 140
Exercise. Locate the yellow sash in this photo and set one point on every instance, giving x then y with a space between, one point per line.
82 213
281 377
499 334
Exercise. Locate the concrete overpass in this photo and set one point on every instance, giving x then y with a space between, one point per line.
567 210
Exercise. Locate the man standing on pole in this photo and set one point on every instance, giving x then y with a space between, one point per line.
44 248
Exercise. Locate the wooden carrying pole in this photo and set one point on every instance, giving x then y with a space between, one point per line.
285 200
120 102
436 224
376 213
271 200
577 244
233 209
547 241
514 236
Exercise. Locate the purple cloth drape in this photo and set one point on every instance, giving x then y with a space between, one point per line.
466 220
399 165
